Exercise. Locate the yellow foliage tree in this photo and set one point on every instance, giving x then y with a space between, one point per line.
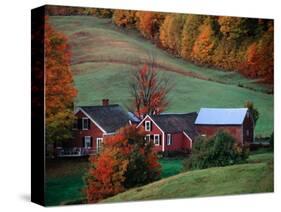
204 45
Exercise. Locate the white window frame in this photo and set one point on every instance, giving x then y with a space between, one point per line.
146 124
99 142
83 125
154 139
87 142
169 139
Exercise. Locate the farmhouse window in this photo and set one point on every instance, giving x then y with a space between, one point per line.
247 132
87 142
147 125
85 123
156 139
169 139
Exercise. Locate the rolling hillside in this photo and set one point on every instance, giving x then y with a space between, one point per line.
103 57
255 177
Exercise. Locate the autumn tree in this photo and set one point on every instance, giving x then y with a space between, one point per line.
149 90
59 88
189 34
235 28
126 161
124 18
259 57
253 110
145 23
204 45
170 32
102 13
164 31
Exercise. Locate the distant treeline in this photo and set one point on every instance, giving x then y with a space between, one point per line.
230 43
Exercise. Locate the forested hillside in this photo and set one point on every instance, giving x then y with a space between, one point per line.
229 43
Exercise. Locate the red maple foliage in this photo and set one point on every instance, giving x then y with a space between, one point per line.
149 91
114 169
59 89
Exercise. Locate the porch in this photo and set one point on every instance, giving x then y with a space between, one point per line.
74 151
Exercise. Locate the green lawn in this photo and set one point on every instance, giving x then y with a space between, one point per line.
254 177
65 178
65 184
103 57
170 167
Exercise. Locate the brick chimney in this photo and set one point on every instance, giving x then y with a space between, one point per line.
105 102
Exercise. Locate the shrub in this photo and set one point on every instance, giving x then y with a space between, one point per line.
176 153
126 161
219 150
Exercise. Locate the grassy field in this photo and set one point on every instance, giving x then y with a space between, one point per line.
65 178
254 177
170 167
65 184
103 57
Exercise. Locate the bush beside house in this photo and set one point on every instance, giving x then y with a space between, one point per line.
219 150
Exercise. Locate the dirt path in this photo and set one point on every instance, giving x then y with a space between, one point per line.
164 67
135 63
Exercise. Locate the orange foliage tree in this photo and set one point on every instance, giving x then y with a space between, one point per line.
148 90
189 34
126 161
124 18
145 23
170 32
259 57
204 45
59 88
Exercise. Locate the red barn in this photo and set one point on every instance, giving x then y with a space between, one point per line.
238 122
170 132
93 124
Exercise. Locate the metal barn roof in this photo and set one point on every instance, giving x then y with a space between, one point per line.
221 116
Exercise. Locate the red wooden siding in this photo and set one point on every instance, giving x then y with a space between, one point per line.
179 142
210 130
154 130
187 143
93 131
176 142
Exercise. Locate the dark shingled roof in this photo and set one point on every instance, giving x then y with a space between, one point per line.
110 117
172 123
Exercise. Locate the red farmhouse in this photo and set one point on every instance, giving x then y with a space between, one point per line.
93 124
170 132
238 122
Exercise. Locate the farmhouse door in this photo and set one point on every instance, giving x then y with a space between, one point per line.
99 144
